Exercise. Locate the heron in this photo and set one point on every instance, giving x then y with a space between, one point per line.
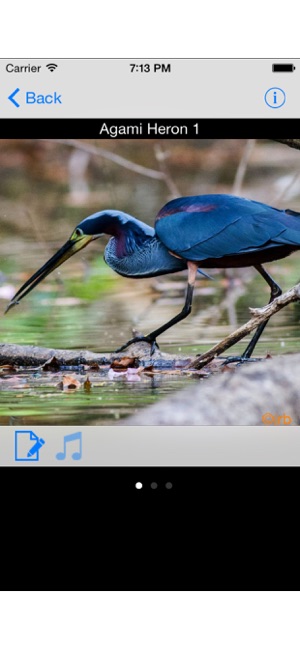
207 231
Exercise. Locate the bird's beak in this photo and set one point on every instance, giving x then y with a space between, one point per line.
67 250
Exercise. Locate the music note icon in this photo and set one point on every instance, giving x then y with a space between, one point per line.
67 439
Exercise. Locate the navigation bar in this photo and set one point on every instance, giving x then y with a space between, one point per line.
125 88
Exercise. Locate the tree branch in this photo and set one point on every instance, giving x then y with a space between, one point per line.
113 157
258 316
242 167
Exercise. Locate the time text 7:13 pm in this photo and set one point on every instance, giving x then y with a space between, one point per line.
150 67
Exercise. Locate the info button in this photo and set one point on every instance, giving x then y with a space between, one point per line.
35 98
275 97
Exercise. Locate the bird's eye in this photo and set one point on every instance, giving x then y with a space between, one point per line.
79 232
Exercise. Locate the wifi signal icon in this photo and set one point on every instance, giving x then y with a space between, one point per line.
51 66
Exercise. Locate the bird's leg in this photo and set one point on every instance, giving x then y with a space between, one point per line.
275 292
151 338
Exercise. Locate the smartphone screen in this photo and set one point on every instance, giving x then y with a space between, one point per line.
149 296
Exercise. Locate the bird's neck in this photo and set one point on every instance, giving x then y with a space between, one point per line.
146 258
131 237
129 233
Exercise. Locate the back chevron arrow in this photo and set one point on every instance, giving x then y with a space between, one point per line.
12 97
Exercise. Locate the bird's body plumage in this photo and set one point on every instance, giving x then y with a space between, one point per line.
220 230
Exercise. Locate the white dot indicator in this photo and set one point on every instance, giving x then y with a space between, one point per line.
138 485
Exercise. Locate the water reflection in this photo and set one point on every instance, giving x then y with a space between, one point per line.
54 317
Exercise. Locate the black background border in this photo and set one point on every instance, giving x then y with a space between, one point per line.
91 529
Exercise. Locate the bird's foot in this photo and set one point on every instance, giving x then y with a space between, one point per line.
138 339
239 360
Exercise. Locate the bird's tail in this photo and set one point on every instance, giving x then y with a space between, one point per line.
201 272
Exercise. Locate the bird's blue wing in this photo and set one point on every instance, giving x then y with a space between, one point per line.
217 225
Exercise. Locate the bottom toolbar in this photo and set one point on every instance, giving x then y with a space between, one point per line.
121 446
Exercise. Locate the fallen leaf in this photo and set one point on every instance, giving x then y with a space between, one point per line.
69 383
7 368
52 365
122 364
87 384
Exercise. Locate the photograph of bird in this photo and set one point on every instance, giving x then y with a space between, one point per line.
192 232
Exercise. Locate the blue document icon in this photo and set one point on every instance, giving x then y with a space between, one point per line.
27 446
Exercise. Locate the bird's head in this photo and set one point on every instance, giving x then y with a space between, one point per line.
91 228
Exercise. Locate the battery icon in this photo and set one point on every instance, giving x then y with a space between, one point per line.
283 67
